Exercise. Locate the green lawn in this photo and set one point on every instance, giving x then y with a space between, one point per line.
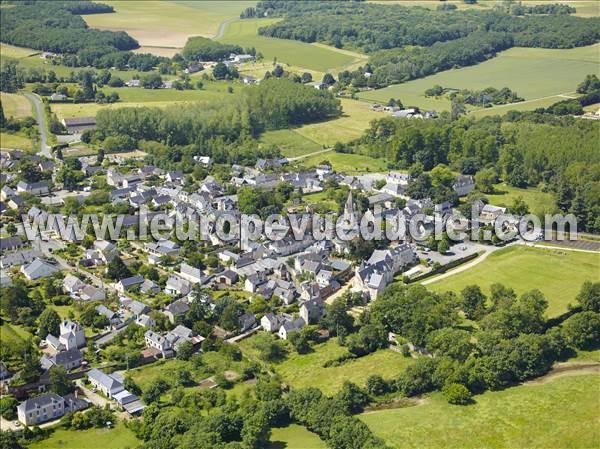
11 51
558 274
167 24
563 413
306 370
346 163
524 70
118 438
10 333
539 202
294 437
15 105
316 57
290 142
15 141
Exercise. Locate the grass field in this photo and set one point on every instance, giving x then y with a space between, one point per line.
294 437
15 141
357 116
291 143
10 333
346 163
315 57
558 274
119 437
524 70
539 202
15 105
307 370
10 51
167 24
562 413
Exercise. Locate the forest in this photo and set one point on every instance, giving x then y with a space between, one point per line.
204 49
407 43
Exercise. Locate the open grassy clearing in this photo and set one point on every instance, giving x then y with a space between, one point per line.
346 163
10 51
558 274
290 142
167 24
355 120
15 141
539 202
294 437
562 413
10 333
315 57
306 370
15 105
117 438
524 70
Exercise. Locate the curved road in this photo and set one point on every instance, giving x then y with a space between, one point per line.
37 104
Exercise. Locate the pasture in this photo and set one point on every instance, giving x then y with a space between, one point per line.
523 70
319 58
526 416
290 142
294 437
539 202
160 26
558 274
10 51
15 141
306 370
118 437
346 163
15 105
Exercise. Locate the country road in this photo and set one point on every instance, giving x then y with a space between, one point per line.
222 28
37 104
292 159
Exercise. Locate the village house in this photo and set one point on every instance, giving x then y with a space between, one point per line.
463 185
71 336
312 310
69 359
38 269
289 327
177 286
33 188
128 283
175 309
48 407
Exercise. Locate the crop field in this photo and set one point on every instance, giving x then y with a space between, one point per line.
306 370
534 73
558 274
118 437
319 58
15 105
290 142
346 163
157 25
561 413
356 118
539 202
294 437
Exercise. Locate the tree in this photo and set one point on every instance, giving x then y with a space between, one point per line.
486 179
269 349
376 385
185 350
328 79
49 323
117 269
454 343
582 330
443 247
220 71
519 206
457 107
589 296
306 77
151 81
352 397
278 71
59 381
473 302
457 394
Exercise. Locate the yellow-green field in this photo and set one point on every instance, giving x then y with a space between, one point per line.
15 141
10 51
290 142
319 58
562 413
539 202
15 105
356 118
534 73
294 437
346 163
167 24
558 274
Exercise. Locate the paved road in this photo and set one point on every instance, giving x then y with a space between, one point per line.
39 112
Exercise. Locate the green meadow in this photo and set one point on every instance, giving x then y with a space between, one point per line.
539 202
534 73
294 437
557 273
119 437
290 142
315 57
561 413
346 163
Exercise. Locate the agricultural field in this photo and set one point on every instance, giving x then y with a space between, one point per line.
346 163
290 142
164 27
10 51
11 333
15 105
523 70
15 141
539 202
294 437
520 268
319 58
306 370
118 437
520 417
355 119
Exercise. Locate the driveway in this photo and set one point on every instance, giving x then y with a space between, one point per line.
45 149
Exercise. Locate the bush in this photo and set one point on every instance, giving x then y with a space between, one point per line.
8 407
457 394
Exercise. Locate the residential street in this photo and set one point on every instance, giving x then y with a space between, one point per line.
45 149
